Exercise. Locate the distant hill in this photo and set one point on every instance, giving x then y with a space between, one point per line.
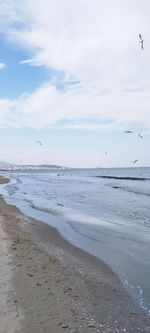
49 166
3 163
9 166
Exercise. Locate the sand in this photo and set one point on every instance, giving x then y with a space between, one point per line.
4 180
49 286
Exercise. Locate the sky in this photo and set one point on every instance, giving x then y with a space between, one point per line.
73 75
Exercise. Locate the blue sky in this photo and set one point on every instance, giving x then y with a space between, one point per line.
73 75
16 79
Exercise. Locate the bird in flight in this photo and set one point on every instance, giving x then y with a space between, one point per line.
141 41
128 132
140 136
135 161
39 142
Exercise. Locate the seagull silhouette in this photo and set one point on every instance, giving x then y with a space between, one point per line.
129 132
140 136
141 41
135 161
40 143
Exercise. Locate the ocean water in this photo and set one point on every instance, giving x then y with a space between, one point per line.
106 212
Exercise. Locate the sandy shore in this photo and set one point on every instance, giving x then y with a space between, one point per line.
4 180
49 286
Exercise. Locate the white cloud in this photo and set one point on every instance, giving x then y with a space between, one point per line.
27 61
75 109
95 43
2 65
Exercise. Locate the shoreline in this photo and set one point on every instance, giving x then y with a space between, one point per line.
56 287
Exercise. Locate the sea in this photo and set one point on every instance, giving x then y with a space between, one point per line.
105 212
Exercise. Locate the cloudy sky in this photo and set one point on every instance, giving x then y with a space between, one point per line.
73 75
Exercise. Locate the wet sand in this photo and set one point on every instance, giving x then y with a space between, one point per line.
4 180
49 286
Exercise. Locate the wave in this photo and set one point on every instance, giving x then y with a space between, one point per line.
135 191
53 212
137 290
123 178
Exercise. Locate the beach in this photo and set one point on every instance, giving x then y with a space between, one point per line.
48 285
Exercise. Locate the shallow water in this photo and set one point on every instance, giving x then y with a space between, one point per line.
107 217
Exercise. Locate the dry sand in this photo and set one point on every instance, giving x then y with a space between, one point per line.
49 286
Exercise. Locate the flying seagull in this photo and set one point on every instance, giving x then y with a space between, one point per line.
141 41
129 132
140 136
135 161
40 143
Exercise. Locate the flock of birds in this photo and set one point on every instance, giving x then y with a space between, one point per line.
130 132
139 136
106 153
126 132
